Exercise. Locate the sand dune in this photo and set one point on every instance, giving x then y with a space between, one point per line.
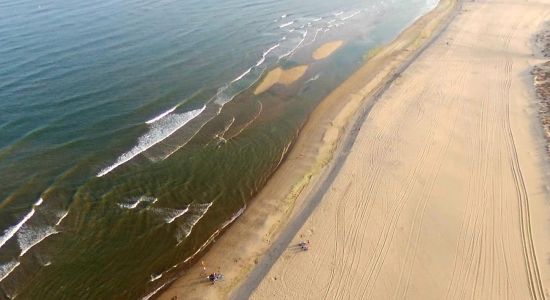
442 194
280 76
326 50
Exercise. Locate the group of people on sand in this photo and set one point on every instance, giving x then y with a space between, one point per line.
214 277
304 245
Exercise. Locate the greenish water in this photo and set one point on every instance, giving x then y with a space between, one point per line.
129 134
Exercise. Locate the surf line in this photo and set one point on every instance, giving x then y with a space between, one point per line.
148 140
10 232
264 55
153 120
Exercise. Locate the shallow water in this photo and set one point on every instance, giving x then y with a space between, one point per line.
130 136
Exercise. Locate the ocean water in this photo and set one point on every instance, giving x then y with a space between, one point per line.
130 136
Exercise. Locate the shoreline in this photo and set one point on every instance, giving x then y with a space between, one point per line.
444 193
241 248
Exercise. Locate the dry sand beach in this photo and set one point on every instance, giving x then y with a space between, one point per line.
443 193
438 190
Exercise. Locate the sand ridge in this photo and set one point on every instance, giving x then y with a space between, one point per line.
326 50
280 76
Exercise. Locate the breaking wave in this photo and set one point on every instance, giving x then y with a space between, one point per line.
7 268
154 292
10 232
304 34
155 277
264 55
286 24
133 203
153 120
196 213
30 236
61 216
159 131
173 214
351 16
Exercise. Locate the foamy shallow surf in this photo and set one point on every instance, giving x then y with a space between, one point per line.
264 55
30 236
289 53
155 277
286 24
196 213
10 232
173 214
134 202
351 16
61 216
242 75
7 268
148 296
162 115
159 131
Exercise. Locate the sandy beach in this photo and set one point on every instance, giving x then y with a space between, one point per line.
443 194
422 176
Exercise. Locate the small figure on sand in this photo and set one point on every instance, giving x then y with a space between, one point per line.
304 245
215 277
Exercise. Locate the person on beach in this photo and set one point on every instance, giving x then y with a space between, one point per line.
304 245
215 277
212 277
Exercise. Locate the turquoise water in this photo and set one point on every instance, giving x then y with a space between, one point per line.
130 136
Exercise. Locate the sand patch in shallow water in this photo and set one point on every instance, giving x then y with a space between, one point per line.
326 50
280 76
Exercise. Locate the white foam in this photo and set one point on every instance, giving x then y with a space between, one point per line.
61 216
196 214
162 115
315 36
313 78
242 75
10 232
264 55
154 292
338 13
351 16
284 16
173 214
29 237
220 102
295 48
159 131
7 268
133 203
317 19
155 277
286 24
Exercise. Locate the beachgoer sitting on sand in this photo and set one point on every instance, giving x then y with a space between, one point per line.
304 245
215 277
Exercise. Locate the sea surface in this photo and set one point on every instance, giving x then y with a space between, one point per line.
130 136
